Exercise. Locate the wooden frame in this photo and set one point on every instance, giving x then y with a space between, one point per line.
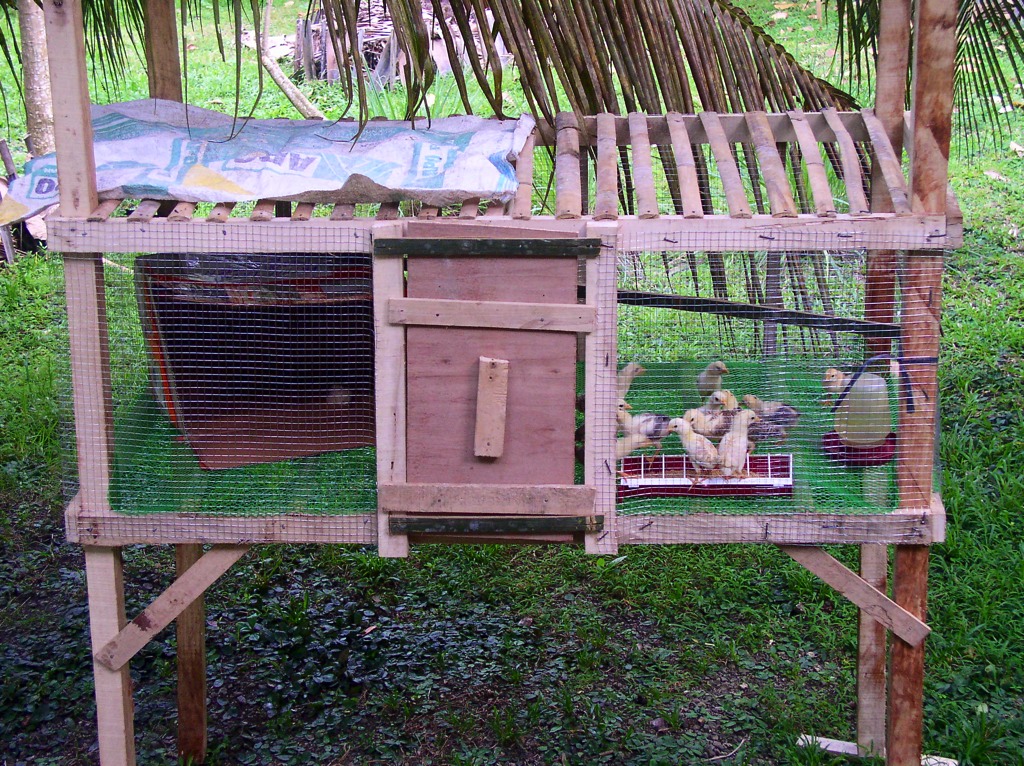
918 216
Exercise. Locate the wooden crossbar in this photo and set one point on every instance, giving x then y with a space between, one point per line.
168 605
507 315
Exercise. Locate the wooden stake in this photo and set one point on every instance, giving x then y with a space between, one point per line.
163 67
606 201
191 635
114 706
728 170
849 159
522 204
780 196
810 150
643 171
568 191
491 404
871 655
686 166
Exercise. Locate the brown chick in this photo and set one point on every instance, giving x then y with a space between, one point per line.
626 376
732 452
776 412
702 453
651 426
834 383
624 445
768 431
710 380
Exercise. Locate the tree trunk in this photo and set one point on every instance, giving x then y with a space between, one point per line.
36 80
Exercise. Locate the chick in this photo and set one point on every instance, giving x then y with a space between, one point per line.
623 418
721 400
710 380
732 452
702 453
776 412
765 431
626 377
630 443
710 423
834 383
651 426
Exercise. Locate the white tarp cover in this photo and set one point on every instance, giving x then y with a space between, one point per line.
156 149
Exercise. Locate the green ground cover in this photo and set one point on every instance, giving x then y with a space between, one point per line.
490 655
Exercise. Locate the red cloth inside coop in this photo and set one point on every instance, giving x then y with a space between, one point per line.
260 358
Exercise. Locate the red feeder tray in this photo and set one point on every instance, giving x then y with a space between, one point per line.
858 457
676 476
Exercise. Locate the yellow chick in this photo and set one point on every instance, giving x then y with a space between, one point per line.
702 453
834 383
732 452
722 400
626 377
624 445
622 416
710 423
781 413
710 380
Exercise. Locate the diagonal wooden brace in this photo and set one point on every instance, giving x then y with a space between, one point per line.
168 605
852 586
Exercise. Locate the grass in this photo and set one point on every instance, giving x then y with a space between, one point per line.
662 655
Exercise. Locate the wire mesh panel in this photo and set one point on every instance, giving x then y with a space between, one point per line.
764 382
242 384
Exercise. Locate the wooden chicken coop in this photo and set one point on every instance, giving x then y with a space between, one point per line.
427 367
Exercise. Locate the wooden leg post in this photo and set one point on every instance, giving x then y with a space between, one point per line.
871 692
191 630
114 706
906 672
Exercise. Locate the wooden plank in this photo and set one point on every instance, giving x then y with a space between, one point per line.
104 210
506 315
686 166
810 150
522 203
906 660
116 652
606 201
90 377
780 529
388 211
890 166
481 499
495 525
728 170
111 529
509 538
389 395
427 212
113 688
343 212
773 172
145 211
760 312
643 171
264 210
851 586
303 211
470 209
443 364
492 247
72 125
491 405
871 656
935 43
568 190
220 212
601 388
718 232
163 67
850 162
191 654
182 212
